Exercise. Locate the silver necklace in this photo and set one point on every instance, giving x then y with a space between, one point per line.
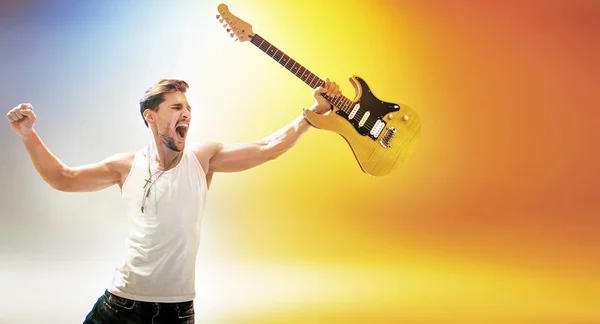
149 183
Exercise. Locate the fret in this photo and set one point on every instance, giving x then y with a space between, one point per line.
284 59
300 72
306 75
311 81
277 57
289 60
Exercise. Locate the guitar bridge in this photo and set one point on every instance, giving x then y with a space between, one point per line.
387 137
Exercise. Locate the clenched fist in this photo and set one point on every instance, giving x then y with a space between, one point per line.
329 88
21 119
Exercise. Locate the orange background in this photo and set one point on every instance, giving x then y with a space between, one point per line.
494 218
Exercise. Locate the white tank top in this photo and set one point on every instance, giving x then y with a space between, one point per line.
163 240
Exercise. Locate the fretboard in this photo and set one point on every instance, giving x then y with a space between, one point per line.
300 71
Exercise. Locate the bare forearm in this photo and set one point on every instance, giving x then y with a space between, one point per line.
285 138
50 168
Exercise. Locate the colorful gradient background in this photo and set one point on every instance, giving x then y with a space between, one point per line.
494 219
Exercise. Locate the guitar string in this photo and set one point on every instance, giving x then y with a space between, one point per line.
274 55
342 103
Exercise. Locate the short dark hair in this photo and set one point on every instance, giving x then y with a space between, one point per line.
155 94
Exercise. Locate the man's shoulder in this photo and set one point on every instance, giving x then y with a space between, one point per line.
120 162
204 151
121 157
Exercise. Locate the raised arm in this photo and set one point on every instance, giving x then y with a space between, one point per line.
58 175
243 156
239 157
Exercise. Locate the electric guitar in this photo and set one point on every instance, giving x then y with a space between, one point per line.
381 134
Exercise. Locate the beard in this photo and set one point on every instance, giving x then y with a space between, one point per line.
170 143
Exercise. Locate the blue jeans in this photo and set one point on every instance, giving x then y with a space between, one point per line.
112 309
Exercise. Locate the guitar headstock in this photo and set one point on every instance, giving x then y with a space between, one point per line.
234 26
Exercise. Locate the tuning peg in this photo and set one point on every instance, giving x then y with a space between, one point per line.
228 30
218 16
231 34
220 20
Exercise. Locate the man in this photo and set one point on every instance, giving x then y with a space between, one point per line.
164 187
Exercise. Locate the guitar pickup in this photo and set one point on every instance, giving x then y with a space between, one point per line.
377 128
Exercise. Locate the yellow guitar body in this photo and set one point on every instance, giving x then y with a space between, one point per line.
373 158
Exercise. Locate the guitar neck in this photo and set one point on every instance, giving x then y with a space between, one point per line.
298 70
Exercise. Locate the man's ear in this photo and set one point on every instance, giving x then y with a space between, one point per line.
148 116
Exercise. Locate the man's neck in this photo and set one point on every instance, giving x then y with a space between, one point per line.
166 158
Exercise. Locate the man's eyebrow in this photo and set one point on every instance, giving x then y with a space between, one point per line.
180 105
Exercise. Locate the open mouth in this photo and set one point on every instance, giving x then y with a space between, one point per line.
181 131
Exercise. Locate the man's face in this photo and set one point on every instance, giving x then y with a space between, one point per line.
173 120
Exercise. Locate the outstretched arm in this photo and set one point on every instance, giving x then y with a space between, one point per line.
58 175
243 156
239 157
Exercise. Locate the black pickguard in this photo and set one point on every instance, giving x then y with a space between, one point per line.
368 102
